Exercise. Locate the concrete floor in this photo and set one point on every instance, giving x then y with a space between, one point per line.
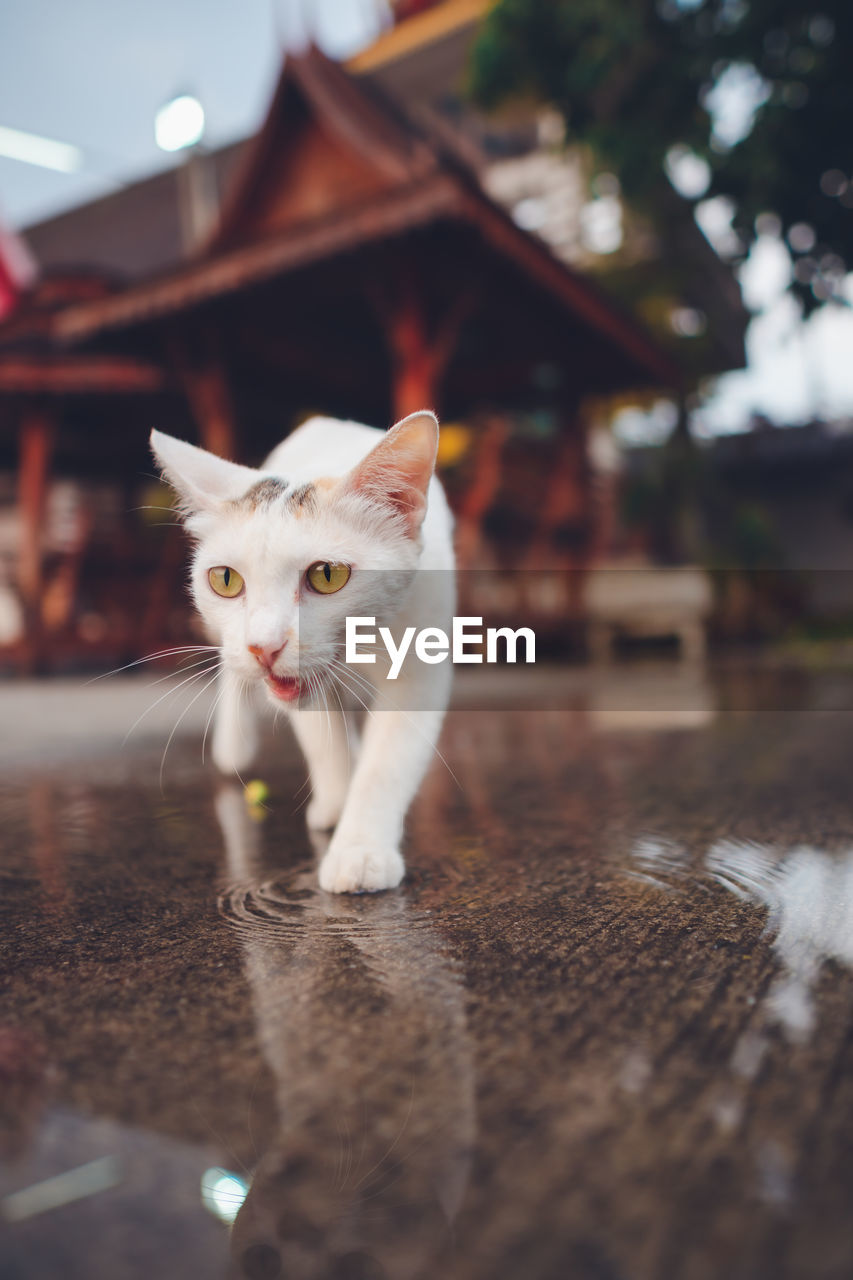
603 1032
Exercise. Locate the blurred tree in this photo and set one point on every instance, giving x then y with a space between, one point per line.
760 90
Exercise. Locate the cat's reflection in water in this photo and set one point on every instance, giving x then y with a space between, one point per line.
360 1016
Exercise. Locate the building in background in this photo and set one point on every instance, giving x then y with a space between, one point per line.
351 263
776 507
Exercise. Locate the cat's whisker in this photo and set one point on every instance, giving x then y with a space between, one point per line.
330 686
340 667
400 1133
369 689
298 808
149 506
340 671
302 787
249 1129
241 693
311 679
242 686
169 692
354 694
317 691
349 1153
396 1165
334 689
232 1155
322 692
204 688
318 697
183 667
365 684
360 683
210 714
340 1155
357 677
308 790
152 657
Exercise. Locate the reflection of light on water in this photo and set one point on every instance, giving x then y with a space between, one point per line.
222 1193
65 1188
809 898
658 862
808 894
746 869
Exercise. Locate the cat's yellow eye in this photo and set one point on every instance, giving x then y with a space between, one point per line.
328 578
225 582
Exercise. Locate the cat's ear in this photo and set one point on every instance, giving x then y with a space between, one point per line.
397 472
201 480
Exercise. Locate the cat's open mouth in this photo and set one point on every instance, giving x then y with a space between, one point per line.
286 688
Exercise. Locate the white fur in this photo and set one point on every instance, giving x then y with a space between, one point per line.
387 517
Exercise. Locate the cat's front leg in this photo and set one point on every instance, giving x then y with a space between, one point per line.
235 729
328 744
364 853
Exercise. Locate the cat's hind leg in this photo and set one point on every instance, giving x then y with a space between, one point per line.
235 729
328 743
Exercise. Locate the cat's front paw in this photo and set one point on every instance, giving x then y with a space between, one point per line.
361 868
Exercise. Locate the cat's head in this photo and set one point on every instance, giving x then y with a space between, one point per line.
318 1209
278 566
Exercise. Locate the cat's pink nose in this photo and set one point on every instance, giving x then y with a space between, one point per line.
265 654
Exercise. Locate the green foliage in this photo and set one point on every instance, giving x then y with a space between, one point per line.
634 78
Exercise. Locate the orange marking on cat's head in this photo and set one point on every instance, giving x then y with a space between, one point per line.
305 499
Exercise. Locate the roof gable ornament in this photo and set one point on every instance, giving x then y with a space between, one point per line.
323 145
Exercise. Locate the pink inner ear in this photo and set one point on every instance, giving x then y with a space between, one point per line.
398 471
406 499
390 489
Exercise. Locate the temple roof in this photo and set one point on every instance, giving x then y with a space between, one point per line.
337 170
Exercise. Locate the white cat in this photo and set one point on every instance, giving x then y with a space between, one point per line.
341 520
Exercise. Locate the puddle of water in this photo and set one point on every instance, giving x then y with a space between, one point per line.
367 1164
606 1056
807 895
71 1201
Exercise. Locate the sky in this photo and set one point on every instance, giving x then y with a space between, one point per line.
94 73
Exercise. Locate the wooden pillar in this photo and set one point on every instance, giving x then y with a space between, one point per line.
605 467
205 384
420 350
474 504
565 497
415 374
37 434
210 402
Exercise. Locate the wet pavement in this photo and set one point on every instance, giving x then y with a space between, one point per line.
603 1032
